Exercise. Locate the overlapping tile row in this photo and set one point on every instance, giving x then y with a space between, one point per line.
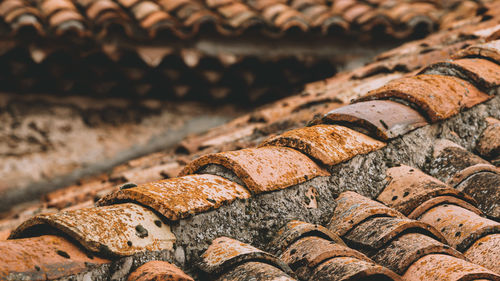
163 73
468 173
453 213
152 19
158 270
415 249
488 144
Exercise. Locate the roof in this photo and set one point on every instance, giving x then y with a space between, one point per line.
387 171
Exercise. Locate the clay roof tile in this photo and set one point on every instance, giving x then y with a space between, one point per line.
158 270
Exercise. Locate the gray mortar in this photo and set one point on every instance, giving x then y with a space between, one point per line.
256 220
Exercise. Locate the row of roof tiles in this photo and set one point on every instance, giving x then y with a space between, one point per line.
186 18
262 169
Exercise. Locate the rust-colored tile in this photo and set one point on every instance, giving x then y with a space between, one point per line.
445 267
263 169
374 233
329 144
485 188
120 230
307 253
485 252
461 227
225 253
346 268
429 204
254 270
484 74
489 142
408 188
181 197
45 257
438 97
400 253
295 230
383 119
490 50
462 175
353 208
158 270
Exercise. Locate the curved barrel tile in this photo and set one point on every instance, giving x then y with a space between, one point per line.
251 271
225 253
346 268
485 188
444 267
462 175
158 270
440 200
485 252
353 208
329 144
178 198
306 254
400 253
382 118
118 230
490 50
484 74
295 230
45 257
438 97
263 169
461 227
409 188
489 141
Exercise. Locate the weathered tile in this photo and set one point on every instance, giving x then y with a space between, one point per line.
178 198
374 233
461 227
295 230
400 253
408 188
159 271
307 253
254 270
484 74
485 252
225 253
45 257
440 200
489 141
353 208
382 119
445 267
329 144
118 230
438 97
490 50
346 268
263 169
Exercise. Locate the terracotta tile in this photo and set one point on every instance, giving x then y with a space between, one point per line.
376 232
178 198
489 141
438 97
346 268
429 204
329 144
485 252
225 253
372 117
450 158
254 270
154 173
158 270
353 208
462 175
444 267
307 253
409 188
119 230
263 169
490 50
484 74
400 253
295 230
460 226
45 257
485 188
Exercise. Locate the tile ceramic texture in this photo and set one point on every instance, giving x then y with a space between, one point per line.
373 234
158 270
